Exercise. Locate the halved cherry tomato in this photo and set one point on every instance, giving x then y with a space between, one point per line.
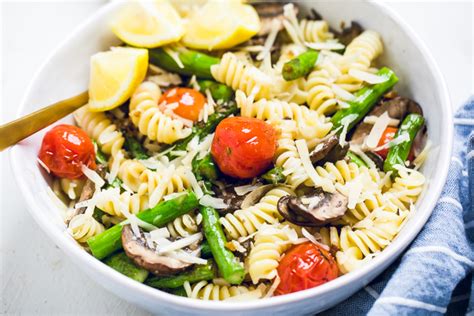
65 149
189 102
305 266
387 136
243 147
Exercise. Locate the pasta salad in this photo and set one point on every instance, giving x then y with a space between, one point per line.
234 151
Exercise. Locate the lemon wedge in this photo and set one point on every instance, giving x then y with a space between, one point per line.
114 76
220 25
148 24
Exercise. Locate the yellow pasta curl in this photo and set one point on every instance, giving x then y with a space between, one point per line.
112 202
246 221
183 226
240 75
83 226
315 31
213 292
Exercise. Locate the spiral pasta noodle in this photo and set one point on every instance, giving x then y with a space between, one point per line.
362 51
367 237
183 226
204 290
407 186
310 124
320 95
151 121
71 187
84 226
315 31
101 129
270 243
114 203
247 221
242 76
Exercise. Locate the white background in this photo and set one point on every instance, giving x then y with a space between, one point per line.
35 276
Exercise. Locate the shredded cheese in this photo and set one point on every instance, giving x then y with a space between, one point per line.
329 45
396 141
194 184
367 76
93 176
302 148
341 93
181 243
275 28
372 119
114 169
174 55
377 131
345 126
244 189
213 202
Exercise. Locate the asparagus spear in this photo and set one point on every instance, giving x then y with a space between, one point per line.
180 291
135 148
356 159
198 273
109 241
206 252
125 265
274 176
204 168
398 154
218 90
300 66
229 266
364 101
195 63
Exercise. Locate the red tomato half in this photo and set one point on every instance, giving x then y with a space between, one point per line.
305 266
190 102
387 136
65 149
243 147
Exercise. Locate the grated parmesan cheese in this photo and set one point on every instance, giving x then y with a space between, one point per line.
311 238
42 164
371 119
367 76
341 93
274 286
93 176
267 46
396 141
345 126
420 159
329 45
325 184
174 55
213 202
377 131
114 169
181 243
244 189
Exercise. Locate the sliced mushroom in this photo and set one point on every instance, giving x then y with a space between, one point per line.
349 33
317 209
376 158
329 150
226 190
255 196
137 249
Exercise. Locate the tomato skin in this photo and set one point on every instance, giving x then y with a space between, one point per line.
65 149
190 102
243 147
387 136
305 266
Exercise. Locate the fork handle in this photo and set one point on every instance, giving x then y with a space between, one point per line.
19 129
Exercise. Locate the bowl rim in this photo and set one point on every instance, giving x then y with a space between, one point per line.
87 261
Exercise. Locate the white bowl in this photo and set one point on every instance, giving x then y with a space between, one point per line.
66 74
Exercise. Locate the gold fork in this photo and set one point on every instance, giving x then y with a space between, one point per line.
19 129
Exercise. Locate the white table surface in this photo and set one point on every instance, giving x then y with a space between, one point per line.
35 276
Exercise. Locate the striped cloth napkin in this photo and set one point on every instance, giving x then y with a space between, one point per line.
434 275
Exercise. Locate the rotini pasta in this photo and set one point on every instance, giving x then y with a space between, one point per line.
315 31
72 188
84 226
212 292
247 221
309 123
242 76
321 96
114 203
183 226
270 243
362 51
150 120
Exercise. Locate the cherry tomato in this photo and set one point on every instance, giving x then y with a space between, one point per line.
65 149
243 147
190 102
305 266
387 136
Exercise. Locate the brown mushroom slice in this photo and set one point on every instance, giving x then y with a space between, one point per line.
253 197
136 249
329 150
317 209
348 34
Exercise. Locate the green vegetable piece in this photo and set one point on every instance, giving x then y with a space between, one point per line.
115 184
135 148
110 240
274 176
300 66
198 273
356 159
100 157
398 154
229 266
195 63
179 292
97 214
125 265
206 252
204 168
218 90
365 99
